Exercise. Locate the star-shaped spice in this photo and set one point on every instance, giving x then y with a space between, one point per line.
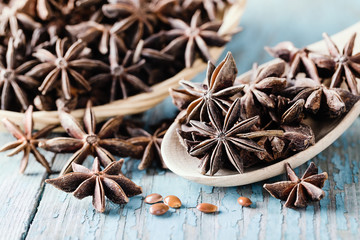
298 192
196 36
218 90
132 13
319 98
297 58
27 141
109 182
122 74
151 143
63 66
10 18
13 79
263 82
345 64
211 6
224 138
85 143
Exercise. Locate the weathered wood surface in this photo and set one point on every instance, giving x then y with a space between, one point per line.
32 210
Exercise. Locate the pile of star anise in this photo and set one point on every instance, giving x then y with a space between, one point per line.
235 123
66 52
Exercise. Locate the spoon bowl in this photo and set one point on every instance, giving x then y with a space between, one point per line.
326 132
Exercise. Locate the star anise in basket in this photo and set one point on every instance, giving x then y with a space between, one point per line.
263 82
12 16
224 138
297 192
109 182
27 141
88 142
64 66
345 64
151 143
218 90
298 59
196 36
13 80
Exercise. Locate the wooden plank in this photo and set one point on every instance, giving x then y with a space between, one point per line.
20 193
60 215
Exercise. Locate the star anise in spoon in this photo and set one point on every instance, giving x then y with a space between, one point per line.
297 58
63 66
224 138
88 142
297 192
217 90
27 141
345 64
263 82
13 79
196 36
109 182
151 143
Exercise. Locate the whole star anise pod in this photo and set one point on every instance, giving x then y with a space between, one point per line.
297 58
13 79
10 18
85 143
90 31
63 66
27 141
297 192
195 36
345 64
109 182
263 82
218 90
122 74
132 13
319 98
151 143
224 138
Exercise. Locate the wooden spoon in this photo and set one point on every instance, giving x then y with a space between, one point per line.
181 163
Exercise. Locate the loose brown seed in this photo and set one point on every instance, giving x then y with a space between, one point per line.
207 207
172 201
158 209
244 201
153 198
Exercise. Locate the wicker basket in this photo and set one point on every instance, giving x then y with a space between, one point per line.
144 101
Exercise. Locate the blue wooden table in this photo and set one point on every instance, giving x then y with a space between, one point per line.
31 209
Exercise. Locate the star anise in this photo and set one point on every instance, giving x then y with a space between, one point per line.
217 90
63 65
136 13
211 6
224 138
109 182
27 141
195 36
151 143
122 74
298 192
318 97
11 17
297 58
46 9
345 64
263 82
89 142
13 79
89 31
